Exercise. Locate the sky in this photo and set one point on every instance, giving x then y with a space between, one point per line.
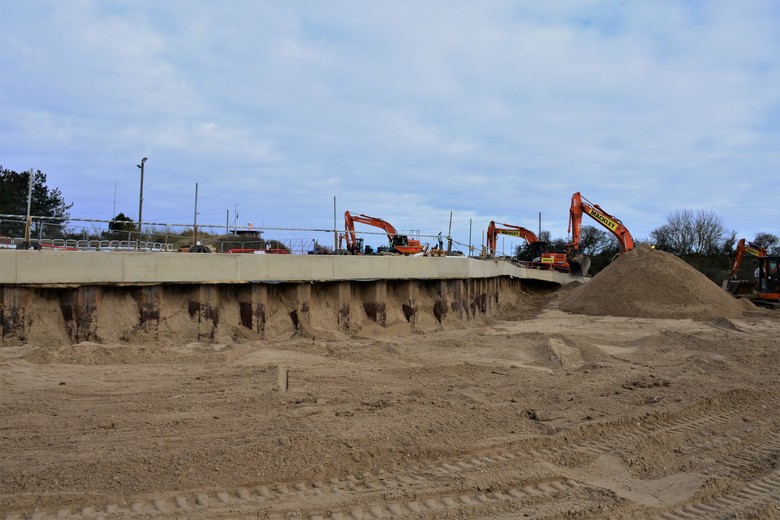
404 110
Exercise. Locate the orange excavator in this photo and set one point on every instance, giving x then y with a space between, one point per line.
767 294
734 285
579 262
398 243
556 261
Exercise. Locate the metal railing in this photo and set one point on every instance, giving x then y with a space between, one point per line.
92 245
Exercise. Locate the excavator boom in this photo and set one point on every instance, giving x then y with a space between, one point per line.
579 206
744 247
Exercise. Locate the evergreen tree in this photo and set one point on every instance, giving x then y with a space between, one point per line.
46 202
120 228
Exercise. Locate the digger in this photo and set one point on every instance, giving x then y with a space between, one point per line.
765 290
542 259
398 244
733 284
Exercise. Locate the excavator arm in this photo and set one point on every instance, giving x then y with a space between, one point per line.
581 206
516 231
744 247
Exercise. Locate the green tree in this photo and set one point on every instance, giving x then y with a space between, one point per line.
45 202
594 241
119 227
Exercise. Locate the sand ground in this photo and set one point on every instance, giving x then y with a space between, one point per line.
542 414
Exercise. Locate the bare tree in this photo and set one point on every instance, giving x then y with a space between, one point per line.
682 226
686 232
708 233
730 242
662 238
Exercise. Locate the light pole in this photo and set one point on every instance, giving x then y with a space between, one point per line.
141 202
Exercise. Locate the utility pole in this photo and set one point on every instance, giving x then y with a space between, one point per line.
471 248
141 203
195 219
28 220
449 237
335 232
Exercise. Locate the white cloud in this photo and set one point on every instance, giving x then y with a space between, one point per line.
405 109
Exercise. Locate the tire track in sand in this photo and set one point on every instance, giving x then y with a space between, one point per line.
428 486
762 494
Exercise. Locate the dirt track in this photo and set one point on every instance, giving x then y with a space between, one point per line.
542 415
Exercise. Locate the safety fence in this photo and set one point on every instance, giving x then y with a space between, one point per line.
287 246
165 238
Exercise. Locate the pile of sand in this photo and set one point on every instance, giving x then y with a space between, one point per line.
646 283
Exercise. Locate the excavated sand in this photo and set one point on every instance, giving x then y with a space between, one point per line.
534 413
647 283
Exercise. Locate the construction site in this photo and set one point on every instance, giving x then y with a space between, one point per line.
412 384
389 260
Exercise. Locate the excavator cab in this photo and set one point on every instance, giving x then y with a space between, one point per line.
357 247
768 281
399 240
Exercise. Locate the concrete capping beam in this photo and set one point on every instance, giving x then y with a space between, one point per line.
62 268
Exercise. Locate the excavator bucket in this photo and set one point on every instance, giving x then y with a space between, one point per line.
740 287
579 264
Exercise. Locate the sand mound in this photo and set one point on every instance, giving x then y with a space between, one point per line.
646 283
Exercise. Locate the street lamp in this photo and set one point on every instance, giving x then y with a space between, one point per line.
141 202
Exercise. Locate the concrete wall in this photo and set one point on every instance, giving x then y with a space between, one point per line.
63 268
65 297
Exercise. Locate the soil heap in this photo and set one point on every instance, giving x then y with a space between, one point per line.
647 283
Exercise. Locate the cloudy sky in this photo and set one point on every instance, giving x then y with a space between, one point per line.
404 110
